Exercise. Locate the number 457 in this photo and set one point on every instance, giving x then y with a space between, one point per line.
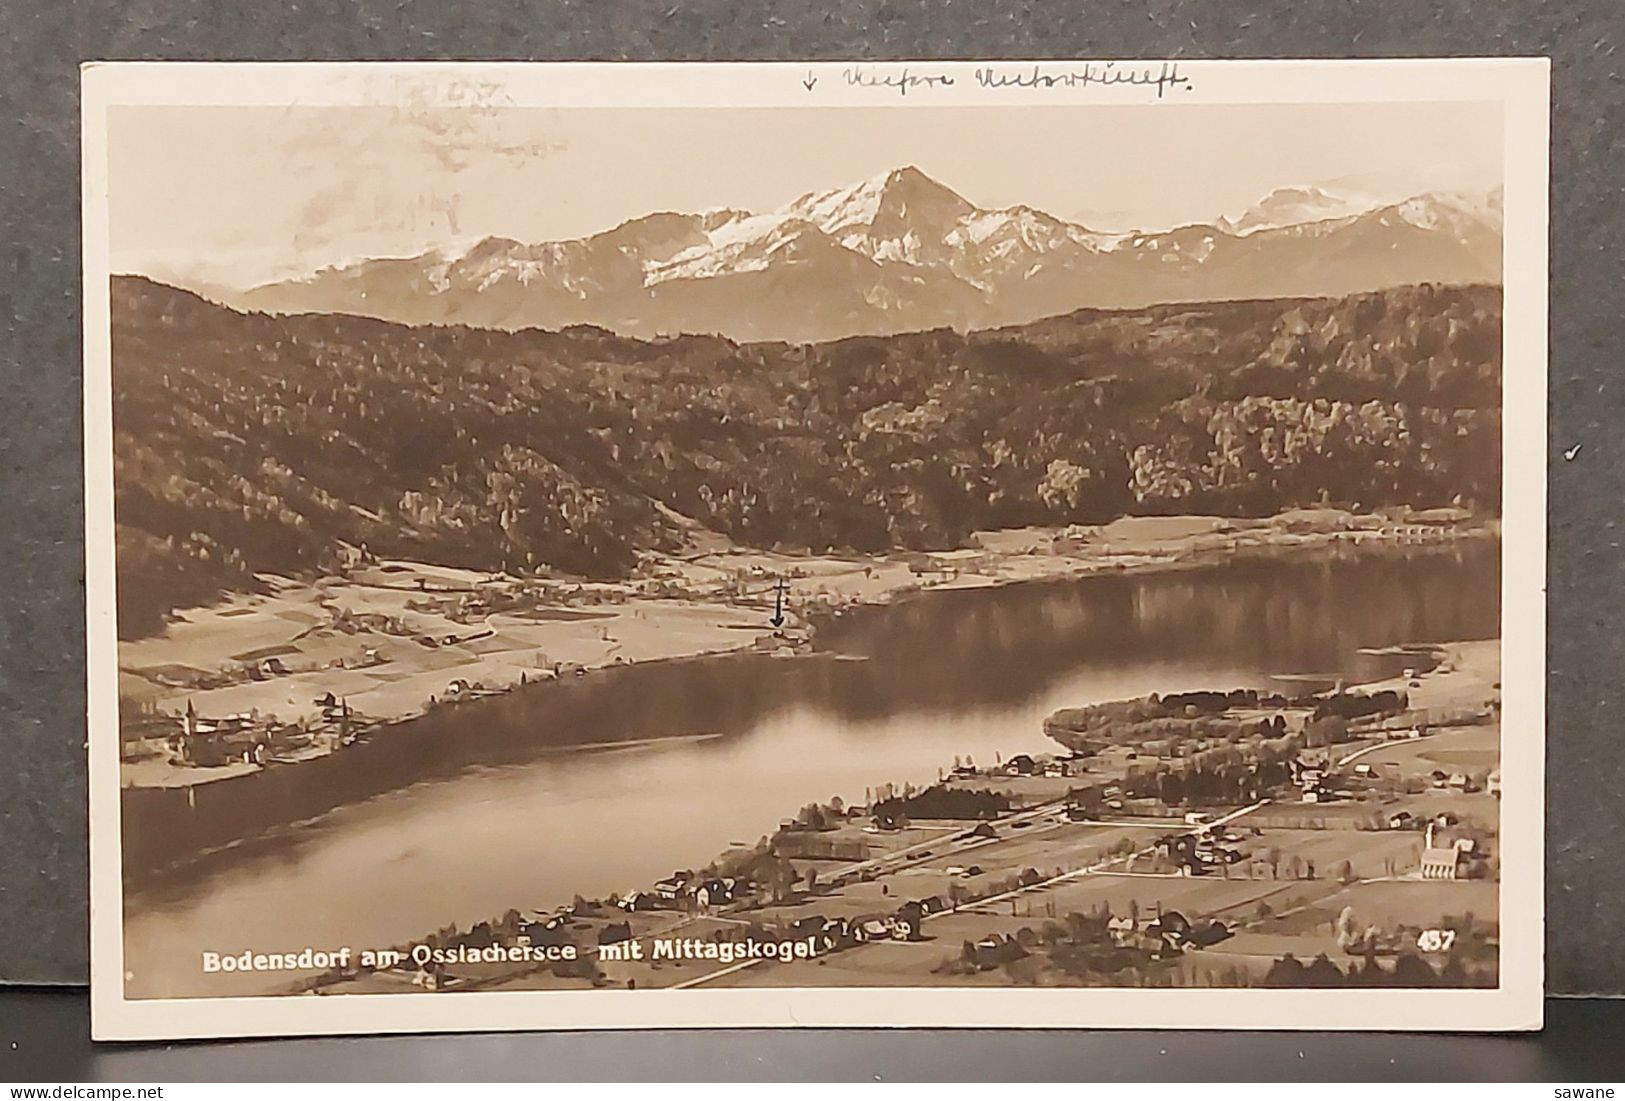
1436 940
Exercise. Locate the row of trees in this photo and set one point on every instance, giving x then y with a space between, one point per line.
1166 725
1408 970
943 801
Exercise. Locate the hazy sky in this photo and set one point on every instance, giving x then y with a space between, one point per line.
242 195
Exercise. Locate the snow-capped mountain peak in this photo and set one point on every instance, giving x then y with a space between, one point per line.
900 216
901 251
1315 209
1295 206
885 203
1456 212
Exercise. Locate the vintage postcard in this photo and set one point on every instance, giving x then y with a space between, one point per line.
990 544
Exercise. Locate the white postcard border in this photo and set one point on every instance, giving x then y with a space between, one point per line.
1522 85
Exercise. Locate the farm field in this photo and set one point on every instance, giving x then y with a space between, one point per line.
1465 748
1304 866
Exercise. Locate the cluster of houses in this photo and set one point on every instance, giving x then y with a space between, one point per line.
432 642
461 688
501 594
782 642
834 934
1440 780
830 934
682 890
1024 764
266 668
1405 820
269 668
686 889
1313 778
337 717
244 737
481 603
251 738
1165 935
1155 938
1203 851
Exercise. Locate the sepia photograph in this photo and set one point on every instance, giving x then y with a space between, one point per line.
1009 543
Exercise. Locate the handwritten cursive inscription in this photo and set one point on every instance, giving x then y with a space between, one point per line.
1164 76
903 80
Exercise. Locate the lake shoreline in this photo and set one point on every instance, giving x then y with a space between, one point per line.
693 608
1461 686
894 691
281 794
715 616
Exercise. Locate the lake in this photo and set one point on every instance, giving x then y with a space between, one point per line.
610 782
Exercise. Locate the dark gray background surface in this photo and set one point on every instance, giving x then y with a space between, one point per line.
43 1039
42 777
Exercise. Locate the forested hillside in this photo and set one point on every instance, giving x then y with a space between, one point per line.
248 443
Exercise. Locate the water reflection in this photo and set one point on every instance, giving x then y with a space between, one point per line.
494 804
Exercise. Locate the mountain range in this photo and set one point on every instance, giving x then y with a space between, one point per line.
901 252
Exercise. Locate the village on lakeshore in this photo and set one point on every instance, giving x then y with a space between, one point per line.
1227 838
311 665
